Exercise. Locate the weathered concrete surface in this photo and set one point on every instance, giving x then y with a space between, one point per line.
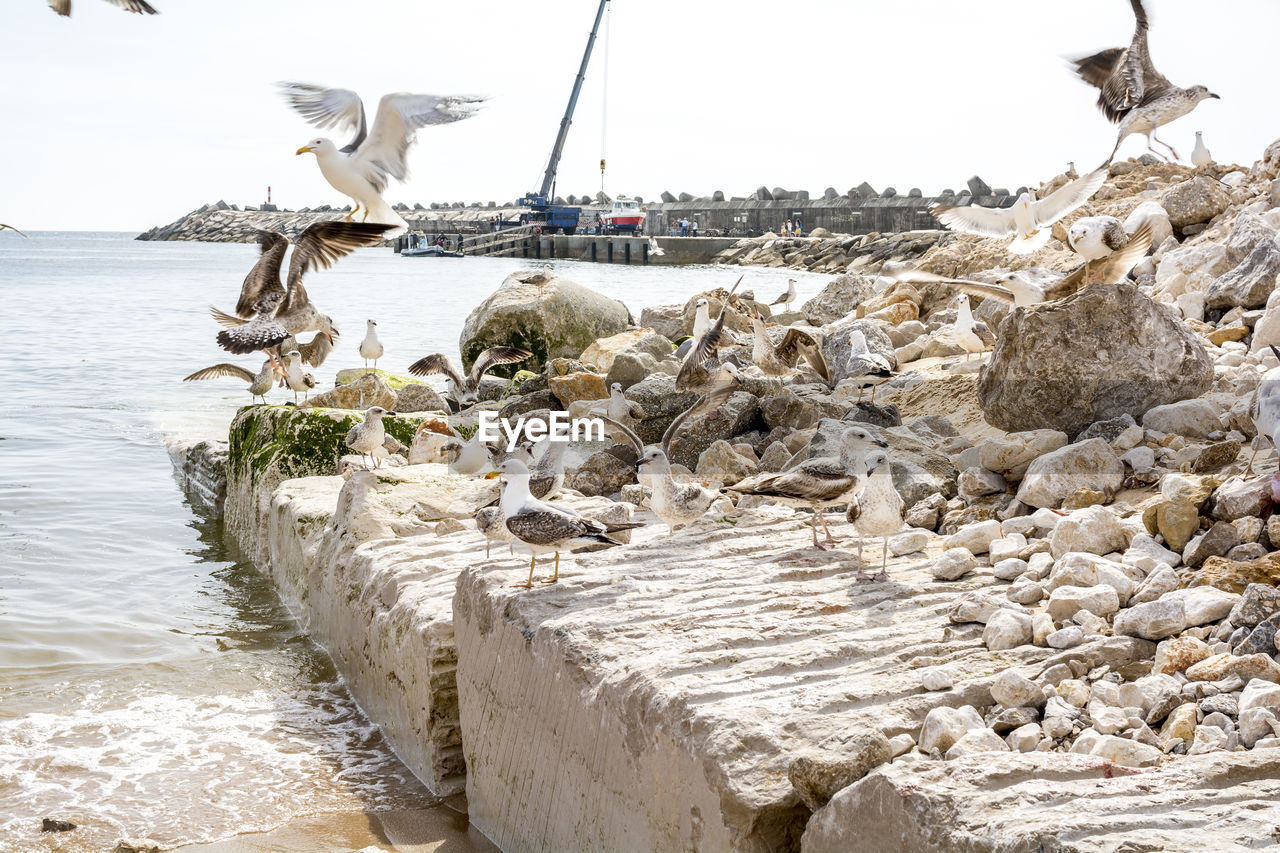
201 467
654 698
1037 802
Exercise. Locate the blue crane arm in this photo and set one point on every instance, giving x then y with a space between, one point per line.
549 178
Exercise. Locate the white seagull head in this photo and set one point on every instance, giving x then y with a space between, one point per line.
375 412
318 146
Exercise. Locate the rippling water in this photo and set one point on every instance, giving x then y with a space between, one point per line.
151 683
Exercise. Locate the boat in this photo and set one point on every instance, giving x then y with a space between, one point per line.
625 215
432 251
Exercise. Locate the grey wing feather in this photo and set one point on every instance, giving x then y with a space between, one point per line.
227 321
262 287
547 527
974 288
220 370
351 435
496 355
437 364
315 351
325 108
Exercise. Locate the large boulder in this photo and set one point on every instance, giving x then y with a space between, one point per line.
1250 282
1053 477
1105 351
367 391
1195 201
840 297
836 348
732 417
562 321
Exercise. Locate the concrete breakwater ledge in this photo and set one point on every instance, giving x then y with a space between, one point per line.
1079 627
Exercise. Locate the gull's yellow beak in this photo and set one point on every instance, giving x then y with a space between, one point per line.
304 149
491 475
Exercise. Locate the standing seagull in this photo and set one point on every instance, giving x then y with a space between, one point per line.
819 483
787 298
1134 94
675 503
259 383
541 527
865 365
371 347
620 408
270 310
466 388
1028 220
368 437
467 458
1265 412
1200 156
362 168
876 510
298 379
140 7
965 330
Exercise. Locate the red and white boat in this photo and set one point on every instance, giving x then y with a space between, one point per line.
626 215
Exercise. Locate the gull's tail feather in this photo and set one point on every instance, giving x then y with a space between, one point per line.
251 338
1023 245
383 213
229 321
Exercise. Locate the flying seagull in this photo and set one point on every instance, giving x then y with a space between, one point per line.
369 436
1134 94
271 311
259 383
371 347
675 503
1028 220
4 227
465 389
362 168
141 7
1015 289
818 483
876 509
541 527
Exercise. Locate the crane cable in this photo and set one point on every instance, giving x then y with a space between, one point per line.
604 89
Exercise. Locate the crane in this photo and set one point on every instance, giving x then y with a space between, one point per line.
542 210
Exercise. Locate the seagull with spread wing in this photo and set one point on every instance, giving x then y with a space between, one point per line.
140 7
1133 93
270 311
259 383
1017 290
1028 220
362 168
783 360
465 388
4 227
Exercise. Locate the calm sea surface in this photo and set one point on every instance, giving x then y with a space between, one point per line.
151 683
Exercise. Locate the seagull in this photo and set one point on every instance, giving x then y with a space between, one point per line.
1134 94
368 436
1028 220
675 503
541 278
1200 156
701 317
4 227
390 445
1094 237
865 365
362 168
1071 173
541 527
371 347
654 248
876 509
466 388
141 7
315 351
297 379
270 311
469 457
1015 289
964 330
1265 411
259 383
620 408
782 360
818 483
546 476
492 526
701 363
787 298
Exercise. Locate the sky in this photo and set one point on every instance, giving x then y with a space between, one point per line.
120 122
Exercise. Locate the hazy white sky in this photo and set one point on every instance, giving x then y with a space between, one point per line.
118 121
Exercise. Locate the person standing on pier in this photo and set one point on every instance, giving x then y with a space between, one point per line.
695 228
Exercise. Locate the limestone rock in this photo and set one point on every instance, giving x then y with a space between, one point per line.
1204 604
1239 498
602 474
367 391
420 397
665 320
1250 283
698 432
1105 351
1092 530
1218 667
1192 418
1194 201
1085 465
976 741
818 777
943 726
1258 602
563 321
722 464
1013 690
603 351
1011 454
975 538
1154 620
953 564
1007 629
579 385
1101 600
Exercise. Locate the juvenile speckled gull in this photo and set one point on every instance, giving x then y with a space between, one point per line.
362 168
876 509
1028 220
818 483
369 436
464 388
1133 93
866 367
259 383
782 360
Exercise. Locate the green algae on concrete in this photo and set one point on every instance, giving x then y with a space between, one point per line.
397 381
292 442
